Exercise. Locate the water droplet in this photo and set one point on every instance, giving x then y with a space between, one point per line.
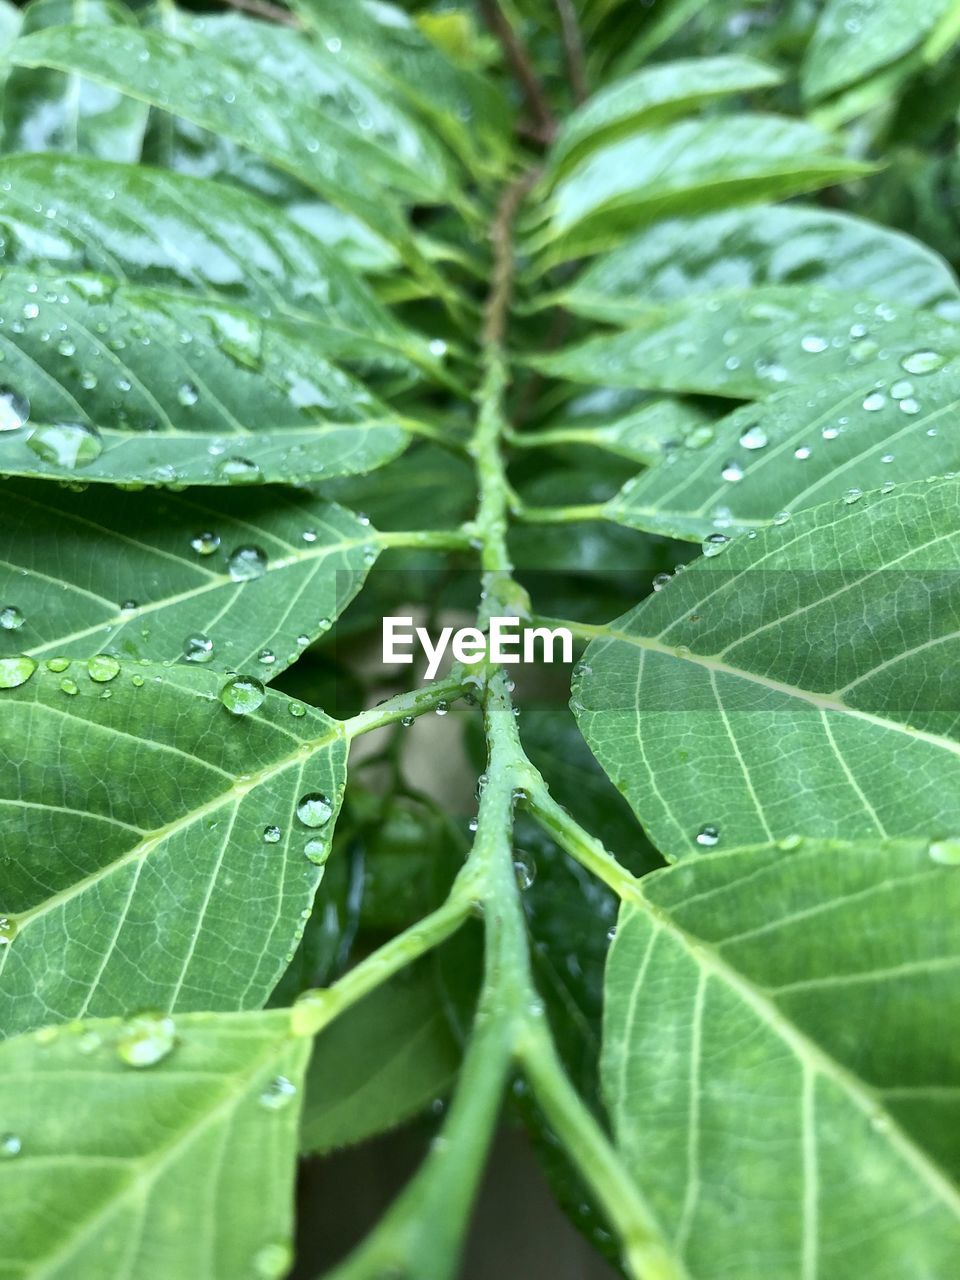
874 401
146 1039
69 687
851 496
754 438
314 809
524 868
945 852
813 343
16 671
247 563
187 394
242 695
271 835
922 361
8 930
30 310
406 721
438 347
316 851
11 619
103 668
708 836
714 543
272 1261
732 472
267 657
441 708
57 664
66 444
297 709
789 843
10 1146
781 517
909 405
14 409
900 390
661 580
279 1093
239 471
473 824
803 452
887 457
205 544
309 535
197 648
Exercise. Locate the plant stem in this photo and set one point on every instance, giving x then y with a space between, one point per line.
522 64
427 539
573 48
414 702
562 515
264 9
579 843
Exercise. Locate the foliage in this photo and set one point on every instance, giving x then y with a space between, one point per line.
310 314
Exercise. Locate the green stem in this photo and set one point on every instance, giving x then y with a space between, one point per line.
412 703
579 843
562 515
429 539
545 439
645 1252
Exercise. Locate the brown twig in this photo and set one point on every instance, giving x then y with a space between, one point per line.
522 64
573 47
264 9
501 237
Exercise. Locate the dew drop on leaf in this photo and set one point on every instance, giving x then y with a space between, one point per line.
297 709
278 1094
524 869
271 835
57 664
10 1146
272 1261
239 471
314 809
874 401
69 687
66 444
708 836
242 695
206 543
103 668
11 619
16 671
754 438
732 472
14 409
197 648
187 394
146 1039
851 496
246 564
922 361
8 930
317 851
945 852
714 543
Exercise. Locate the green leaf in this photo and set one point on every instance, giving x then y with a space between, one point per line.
802 681
745 248
137 872
166 230
180 389
381 1063
181 1168
816 980
653 97
47 110
246 105
745 345
694 165
239 581
381 43
853 39
799 449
